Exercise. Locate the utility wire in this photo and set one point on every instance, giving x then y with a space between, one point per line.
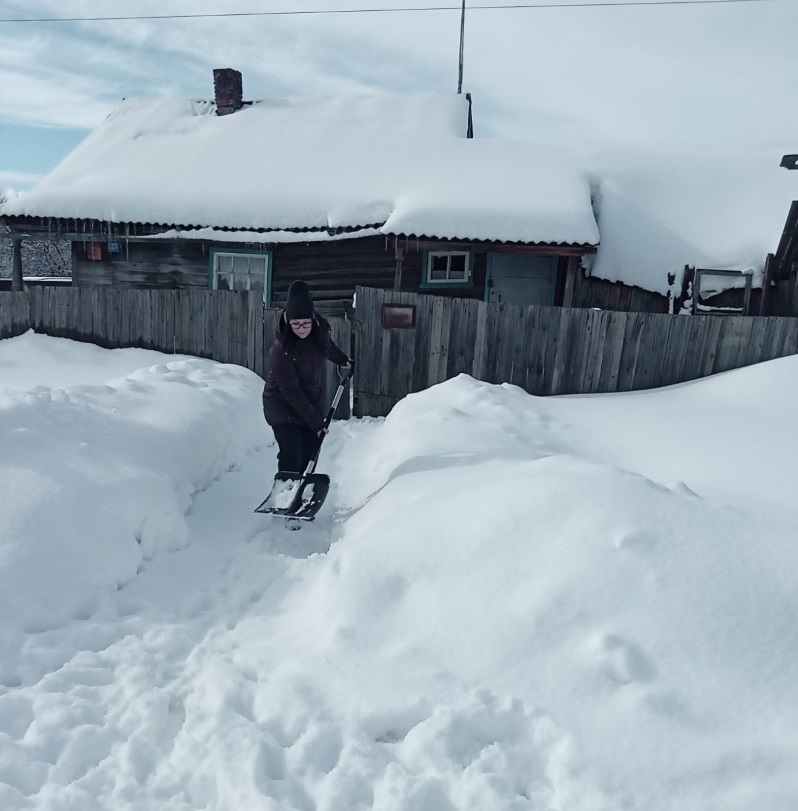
604 4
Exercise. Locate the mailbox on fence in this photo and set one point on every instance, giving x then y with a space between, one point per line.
398 316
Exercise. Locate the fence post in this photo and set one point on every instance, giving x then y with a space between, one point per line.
17 284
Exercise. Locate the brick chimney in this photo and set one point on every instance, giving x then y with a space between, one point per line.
227 88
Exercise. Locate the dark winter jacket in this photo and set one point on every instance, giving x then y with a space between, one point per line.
293 391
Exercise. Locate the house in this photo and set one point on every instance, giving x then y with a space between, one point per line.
385 191
394 191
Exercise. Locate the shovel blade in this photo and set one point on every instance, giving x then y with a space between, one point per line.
310 497
284 494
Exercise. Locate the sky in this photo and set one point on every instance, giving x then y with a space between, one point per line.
507 602
707 75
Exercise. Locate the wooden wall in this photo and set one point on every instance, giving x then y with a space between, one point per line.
332 268
785 294
590 291
157 264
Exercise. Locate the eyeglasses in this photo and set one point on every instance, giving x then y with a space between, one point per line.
301 324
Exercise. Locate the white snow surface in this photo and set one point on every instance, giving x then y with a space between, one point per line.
400 162
507 602
659 210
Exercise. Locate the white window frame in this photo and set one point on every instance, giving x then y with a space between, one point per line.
264 257
448 281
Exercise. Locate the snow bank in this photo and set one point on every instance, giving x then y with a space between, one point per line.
655 625
96 478
506 603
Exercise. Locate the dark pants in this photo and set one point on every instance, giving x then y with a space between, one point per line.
297 445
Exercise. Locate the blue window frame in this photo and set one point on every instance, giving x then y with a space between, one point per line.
447 269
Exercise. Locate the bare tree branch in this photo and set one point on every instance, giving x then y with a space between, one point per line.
39 258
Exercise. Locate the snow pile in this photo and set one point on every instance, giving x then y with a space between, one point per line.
97 478
637 613
507 602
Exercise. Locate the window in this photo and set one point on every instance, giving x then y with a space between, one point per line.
233 270
447 269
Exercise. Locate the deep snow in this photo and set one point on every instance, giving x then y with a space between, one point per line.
507 602
393 162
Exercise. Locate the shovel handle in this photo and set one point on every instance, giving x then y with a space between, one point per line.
330 414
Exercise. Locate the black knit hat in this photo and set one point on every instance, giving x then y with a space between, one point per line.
299 303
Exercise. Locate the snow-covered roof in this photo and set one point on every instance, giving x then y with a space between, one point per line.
662 209
401 164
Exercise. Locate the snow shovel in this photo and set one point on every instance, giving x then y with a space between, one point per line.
300 495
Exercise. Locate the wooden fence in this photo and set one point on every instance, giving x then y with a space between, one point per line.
545 350
231 327
548 350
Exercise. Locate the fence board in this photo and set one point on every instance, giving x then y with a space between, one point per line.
537 319
255 332
728 346
593 354
689 336
550 350
517 345
629 352
709 348
421 345
505 328
760 339
92 314
462 337
558 359
341 333
493 327
367 342
613 347
479 367
568 360
383 372
654 337
436 341
403 344
791 338
15 317
745 332
678 340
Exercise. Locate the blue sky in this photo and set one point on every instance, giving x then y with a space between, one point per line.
715 76
31 151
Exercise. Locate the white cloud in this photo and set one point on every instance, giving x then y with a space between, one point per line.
710 75
15 180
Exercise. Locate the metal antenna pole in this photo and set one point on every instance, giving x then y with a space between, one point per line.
462 45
